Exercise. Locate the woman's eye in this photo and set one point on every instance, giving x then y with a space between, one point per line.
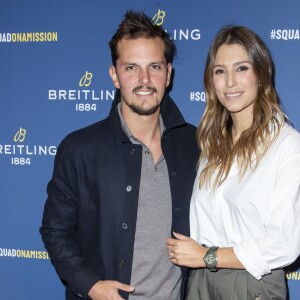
243 68
219 71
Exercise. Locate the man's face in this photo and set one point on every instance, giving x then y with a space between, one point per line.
141 74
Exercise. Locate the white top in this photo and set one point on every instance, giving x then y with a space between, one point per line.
259 216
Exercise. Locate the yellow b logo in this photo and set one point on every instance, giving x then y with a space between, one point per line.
20 135
158 19
86 79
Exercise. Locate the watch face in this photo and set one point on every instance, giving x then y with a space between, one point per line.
210 258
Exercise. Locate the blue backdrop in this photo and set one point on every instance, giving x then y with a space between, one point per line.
54 61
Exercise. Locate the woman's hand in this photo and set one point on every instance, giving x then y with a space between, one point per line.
184 251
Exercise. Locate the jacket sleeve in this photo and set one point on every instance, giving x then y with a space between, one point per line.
59 226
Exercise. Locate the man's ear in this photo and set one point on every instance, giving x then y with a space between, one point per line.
169 73
114 77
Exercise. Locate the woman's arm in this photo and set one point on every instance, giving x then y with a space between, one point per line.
184 251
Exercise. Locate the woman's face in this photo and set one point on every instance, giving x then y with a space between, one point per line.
234 81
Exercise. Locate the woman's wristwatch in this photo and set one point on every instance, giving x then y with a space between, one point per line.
211 259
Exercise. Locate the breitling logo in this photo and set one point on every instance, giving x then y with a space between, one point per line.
82 94
20 135
159 17
179 34
86 79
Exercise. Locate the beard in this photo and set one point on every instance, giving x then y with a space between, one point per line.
139 109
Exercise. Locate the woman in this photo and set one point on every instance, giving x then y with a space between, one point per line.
246 200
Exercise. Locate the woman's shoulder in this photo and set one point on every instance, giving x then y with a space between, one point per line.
289 139
289 131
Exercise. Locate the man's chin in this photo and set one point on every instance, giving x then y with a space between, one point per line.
144 111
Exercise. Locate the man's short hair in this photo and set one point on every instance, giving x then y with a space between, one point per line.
138 25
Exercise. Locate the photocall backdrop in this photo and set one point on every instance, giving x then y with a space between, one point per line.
54 60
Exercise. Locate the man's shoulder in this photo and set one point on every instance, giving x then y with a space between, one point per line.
186 129
184 138
191 127
98 131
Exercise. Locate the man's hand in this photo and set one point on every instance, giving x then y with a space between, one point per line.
108 290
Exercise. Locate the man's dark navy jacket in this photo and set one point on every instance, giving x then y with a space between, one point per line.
95 189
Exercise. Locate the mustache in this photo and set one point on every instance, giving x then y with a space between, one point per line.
149 88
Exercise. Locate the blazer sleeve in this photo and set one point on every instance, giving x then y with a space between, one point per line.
59 226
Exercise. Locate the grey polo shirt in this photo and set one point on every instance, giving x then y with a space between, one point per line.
153 275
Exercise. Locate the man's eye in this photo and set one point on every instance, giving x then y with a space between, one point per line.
156 67
129 68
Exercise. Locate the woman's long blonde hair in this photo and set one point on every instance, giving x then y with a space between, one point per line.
214 133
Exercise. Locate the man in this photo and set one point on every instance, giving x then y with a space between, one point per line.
122 185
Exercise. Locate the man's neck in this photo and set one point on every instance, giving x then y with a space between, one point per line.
144 128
